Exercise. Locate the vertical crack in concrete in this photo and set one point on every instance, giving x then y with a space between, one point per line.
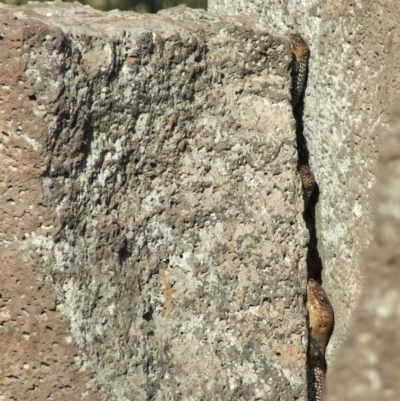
314 262
311 196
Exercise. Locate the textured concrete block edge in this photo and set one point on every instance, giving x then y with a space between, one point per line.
154 241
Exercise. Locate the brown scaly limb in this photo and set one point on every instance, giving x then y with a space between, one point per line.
301 53
308 181
320 320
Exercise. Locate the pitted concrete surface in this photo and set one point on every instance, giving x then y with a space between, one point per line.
151 202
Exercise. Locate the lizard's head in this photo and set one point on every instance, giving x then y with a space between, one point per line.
299 46
307 177
320 314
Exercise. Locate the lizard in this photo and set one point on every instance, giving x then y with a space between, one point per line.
308 182
320 320
301 53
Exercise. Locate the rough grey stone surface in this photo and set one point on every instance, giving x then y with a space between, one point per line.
348 96
367 366
168 220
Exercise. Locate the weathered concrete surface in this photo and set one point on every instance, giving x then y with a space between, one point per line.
150 196
352 81
39 358
367 366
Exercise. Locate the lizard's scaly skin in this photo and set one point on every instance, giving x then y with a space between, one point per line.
320 318
308 181
301 53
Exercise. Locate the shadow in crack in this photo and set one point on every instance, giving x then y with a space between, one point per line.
314 262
